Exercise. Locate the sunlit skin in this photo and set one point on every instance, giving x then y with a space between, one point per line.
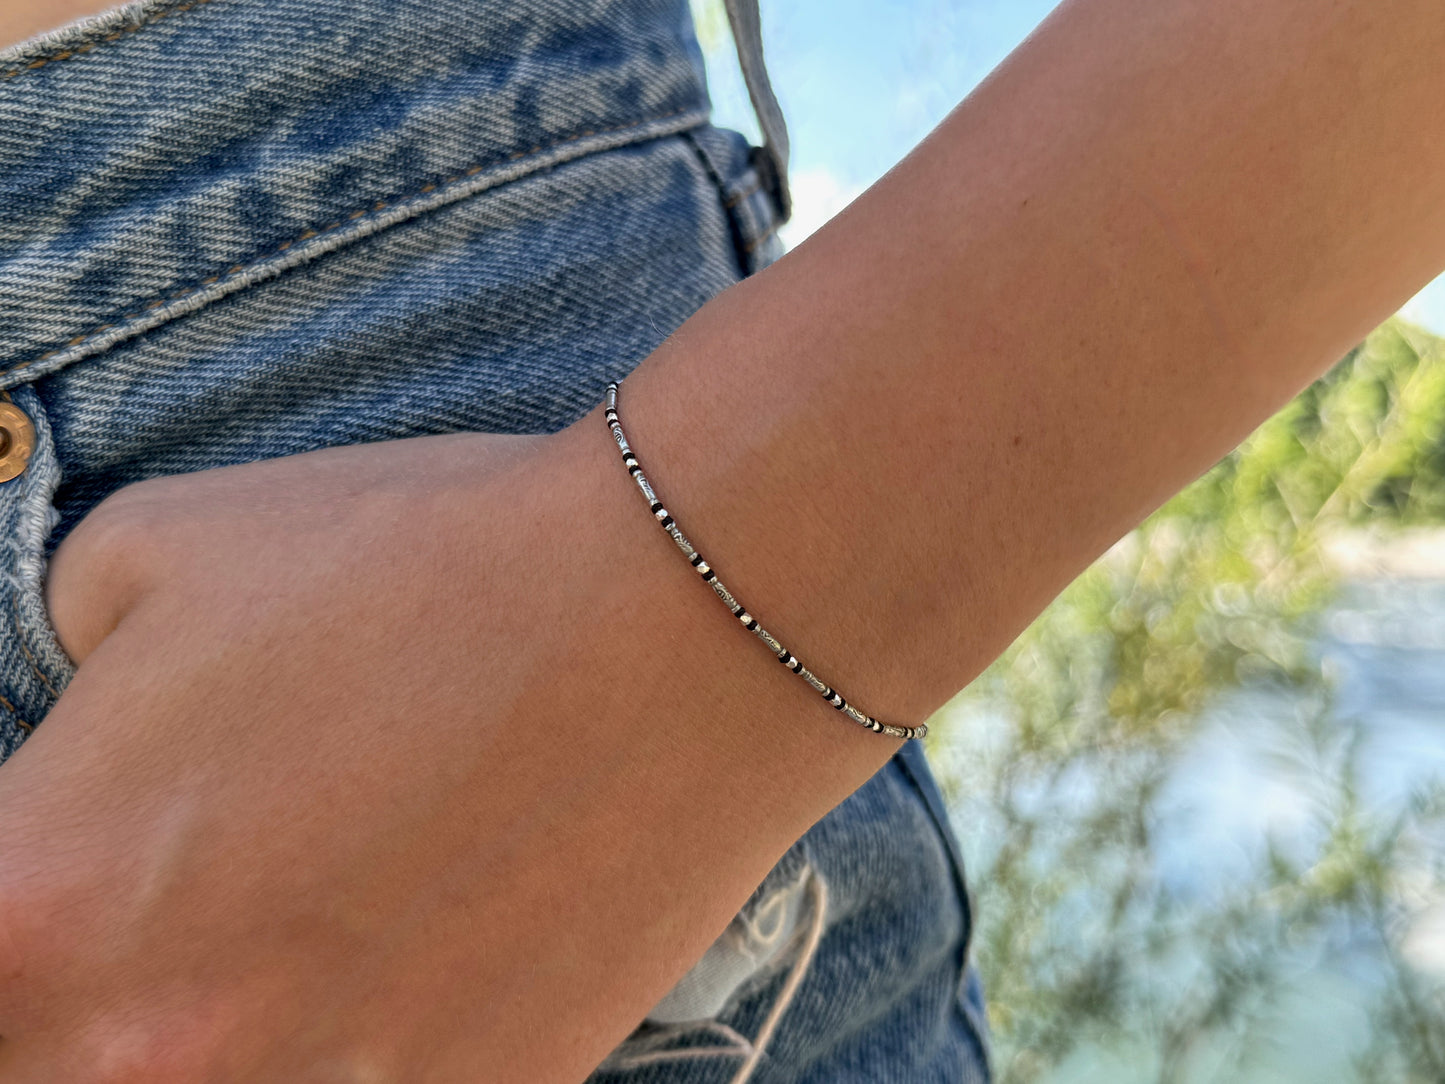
25 19
434 761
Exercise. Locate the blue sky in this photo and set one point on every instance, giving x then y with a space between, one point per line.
861 82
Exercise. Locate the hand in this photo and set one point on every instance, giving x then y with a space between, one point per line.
350 785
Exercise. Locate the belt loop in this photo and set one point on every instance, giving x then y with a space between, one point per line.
771 160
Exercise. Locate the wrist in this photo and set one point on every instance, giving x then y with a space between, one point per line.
711 685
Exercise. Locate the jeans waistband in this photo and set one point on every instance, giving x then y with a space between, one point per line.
162 154
772 156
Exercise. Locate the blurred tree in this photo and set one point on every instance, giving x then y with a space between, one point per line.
710 19
1063 745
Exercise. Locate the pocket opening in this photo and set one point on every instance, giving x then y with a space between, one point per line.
714 1033
34 668
752 216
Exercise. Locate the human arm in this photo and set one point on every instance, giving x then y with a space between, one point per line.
22 19
1141 235
459 745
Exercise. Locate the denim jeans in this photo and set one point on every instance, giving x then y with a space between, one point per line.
239 229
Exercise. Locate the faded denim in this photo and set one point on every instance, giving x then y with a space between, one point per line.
238 229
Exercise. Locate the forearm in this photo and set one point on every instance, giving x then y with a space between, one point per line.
21 19
408 758
1150 228
1140 236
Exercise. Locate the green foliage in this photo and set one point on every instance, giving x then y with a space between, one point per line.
710 19
1063 745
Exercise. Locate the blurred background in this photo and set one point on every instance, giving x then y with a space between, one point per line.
1202 797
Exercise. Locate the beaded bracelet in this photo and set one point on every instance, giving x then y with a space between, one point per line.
784 656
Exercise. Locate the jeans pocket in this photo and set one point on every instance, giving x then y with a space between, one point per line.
753 218
715 1024
34 668
968 993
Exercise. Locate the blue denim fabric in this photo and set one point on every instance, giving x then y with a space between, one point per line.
239 229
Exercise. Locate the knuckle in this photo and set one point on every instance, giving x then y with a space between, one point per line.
12 953
17 918
155 1049
33 936
103 567
23 945
124 523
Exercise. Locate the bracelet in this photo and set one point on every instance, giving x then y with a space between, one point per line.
784 656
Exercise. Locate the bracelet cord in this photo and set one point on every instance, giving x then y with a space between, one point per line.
749 622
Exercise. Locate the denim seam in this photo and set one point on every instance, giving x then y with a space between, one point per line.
960 880
977 1030
15 714
358 224
745 251
20 639
736 230
28 546
744 194
954 859
115 35
760 238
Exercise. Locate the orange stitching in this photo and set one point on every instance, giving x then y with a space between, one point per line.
115 36
758 240
744 195
379 205
11 708
20 639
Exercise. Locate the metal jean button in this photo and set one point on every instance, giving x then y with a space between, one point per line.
17 438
